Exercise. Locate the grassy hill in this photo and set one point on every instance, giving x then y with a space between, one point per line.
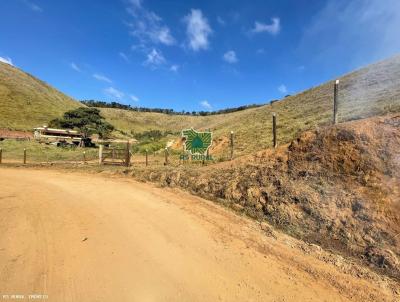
373 90
27 102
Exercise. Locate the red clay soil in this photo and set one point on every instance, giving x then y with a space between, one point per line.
14 134
338 187
76 237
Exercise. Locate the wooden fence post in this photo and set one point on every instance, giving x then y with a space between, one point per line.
1 155
183 151
84 157
166 156
274 138
101 148
24 156
335 101
147 158
231 145
207 152
127 155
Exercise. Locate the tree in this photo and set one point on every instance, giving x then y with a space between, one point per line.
87 120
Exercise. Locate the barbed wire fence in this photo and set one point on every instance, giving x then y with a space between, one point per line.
341 110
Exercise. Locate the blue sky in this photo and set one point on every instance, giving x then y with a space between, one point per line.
194 55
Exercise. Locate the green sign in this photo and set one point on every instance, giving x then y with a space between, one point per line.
197 143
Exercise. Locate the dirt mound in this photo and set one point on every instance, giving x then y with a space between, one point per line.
220 145
350 181
336 186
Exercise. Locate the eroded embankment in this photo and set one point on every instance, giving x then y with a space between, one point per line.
337 187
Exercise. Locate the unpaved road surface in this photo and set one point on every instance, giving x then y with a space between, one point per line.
78 237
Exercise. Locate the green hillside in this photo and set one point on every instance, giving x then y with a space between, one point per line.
373 90
27 102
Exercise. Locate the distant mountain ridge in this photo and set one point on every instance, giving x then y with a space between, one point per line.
116 105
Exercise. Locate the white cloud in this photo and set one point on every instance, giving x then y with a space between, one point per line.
123 56
205 104
136 3
155 58
6 60
198 30
102 78
139 47
75 67
164 36
221 21
283 89
134 98
147 26
174 68
112 92
33 6
273 28
230 57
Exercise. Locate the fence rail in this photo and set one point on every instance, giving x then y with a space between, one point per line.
115 156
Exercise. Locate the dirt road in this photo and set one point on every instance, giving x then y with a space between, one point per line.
77 237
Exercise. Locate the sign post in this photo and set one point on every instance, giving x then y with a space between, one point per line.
196 144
